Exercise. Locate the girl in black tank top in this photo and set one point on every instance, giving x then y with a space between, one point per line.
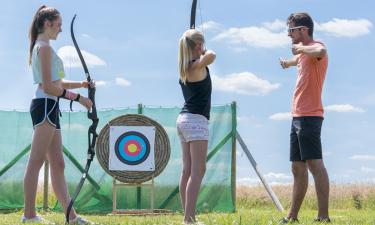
197 96
192 123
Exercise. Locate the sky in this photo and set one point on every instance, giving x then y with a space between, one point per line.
131 50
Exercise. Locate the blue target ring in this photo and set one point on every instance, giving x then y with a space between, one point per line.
132 148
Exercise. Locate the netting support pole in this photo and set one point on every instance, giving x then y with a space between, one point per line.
255 166
139 189
233 169
45 186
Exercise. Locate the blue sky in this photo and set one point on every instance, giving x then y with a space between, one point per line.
131 49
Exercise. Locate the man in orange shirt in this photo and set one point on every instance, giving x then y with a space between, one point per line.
311 59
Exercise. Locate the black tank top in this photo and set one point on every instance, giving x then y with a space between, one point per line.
197 96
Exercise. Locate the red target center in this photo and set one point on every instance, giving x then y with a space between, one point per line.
132 148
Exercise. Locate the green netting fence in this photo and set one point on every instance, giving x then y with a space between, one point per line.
218 187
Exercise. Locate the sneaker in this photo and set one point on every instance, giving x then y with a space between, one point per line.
287 220
322 220
36 219
79 221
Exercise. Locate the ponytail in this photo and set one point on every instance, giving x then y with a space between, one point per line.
188 41
184 58
42 14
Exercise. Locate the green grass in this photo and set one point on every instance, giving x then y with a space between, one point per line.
349 205
242 216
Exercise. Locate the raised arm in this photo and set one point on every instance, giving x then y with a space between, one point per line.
207 58
286 63
316 50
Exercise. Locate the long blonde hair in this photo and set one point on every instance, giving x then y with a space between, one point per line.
188 41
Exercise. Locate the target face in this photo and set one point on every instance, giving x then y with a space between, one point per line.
132 148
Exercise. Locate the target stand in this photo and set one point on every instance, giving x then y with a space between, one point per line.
134 150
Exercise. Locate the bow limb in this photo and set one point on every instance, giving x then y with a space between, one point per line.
192 14
91 114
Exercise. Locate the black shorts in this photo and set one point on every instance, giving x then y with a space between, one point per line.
45 108
305 140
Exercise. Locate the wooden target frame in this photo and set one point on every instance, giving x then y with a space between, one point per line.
138 179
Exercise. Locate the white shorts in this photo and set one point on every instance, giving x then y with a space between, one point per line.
192 127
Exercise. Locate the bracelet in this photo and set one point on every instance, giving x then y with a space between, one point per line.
70 95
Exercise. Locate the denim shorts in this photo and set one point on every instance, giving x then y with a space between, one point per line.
305 142
192 127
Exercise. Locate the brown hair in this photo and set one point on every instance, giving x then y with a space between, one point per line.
44 13
302 19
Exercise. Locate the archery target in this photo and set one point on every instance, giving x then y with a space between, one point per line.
132 148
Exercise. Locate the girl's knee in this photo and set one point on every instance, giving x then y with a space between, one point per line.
185 172
58 165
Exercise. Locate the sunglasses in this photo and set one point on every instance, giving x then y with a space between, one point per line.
292 29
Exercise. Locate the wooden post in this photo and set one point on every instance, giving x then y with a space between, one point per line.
233 170
139 189
152 194
114 201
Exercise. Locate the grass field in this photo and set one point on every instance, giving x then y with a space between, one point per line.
349 205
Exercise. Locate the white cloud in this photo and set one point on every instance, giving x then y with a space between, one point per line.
70 57
343 108
363 157
260 37
273 34
281 176
367 170
248 181
276 25
276 183
244 83
99 83
122 82
345 27
210 26
281 116
271 178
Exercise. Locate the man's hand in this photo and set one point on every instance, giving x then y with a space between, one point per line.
283 63
297 48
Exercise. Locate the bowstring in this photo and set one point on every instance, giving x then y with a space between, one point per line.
200 16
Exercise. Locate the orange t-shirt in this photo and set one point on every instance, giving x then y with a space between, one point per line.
311 72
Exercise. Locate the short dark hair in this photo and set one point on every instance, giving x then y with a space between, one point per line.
302 19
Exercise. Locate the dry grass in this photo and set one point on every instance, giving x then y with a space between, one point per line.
350 196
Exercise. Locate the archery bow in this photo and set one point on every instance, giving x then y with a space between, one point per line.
91 114
192 14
